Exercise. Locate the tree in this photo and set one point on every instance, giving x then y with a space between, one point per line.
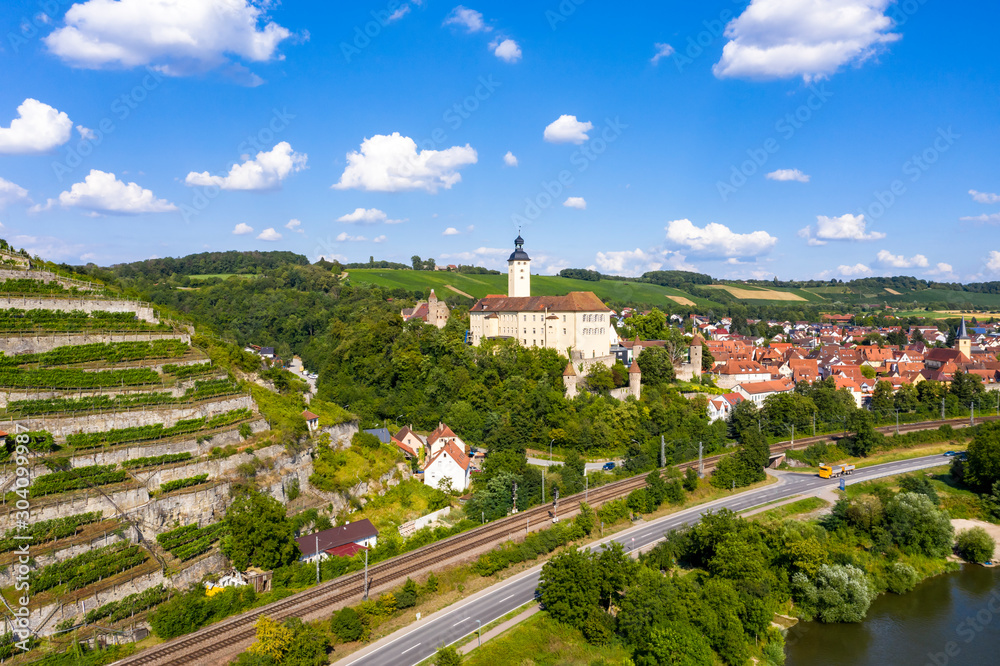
882 403
614 571
656 365
838 593
982 469
600 379
742 417
755 454
258 532
407 597
868 372
568 587
674 644
707 360
447 655
975 545
865 438
690 479
346 625
915 523
273 639
416 262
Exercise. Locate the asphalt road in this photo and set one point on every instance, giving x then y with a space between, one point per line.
591 466
414 643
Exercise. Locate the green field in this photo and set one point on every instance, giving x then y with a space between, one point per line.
479 286
648 295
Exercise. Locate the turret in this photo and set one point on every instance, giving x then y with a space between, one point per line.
519 271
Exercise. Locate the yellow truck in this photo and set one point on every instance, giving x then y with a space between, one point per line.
833 471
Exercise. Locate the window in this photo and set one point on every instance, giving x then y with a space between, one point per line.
564 331
564 318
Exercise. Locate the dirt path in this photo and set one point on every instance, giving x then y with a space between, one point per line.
459 292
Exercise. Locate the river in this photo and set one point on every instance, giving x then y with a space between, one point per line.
948 620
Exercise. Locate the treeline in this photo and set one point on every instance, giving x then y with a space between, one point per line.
676 279
207 263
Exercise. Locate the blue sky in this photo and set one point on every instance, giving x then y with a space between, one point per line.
797 138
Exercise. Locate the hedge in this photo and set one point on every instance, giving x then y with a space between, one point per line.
156 430
129 606
177 484
48 530
150 461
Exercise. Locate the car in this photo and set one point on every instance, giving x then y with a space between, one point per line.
951 453
608 466
313 375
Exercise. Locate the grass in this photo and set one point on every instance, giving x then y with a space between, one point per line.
541 641
406 501
480 286
806 505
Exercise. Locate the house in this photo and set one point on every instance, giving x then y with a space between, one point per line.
340 541
410 442
441 437
579 320
431 311
267 352
449 467
736 372
757 392
382 434
721 406
312 420
844 383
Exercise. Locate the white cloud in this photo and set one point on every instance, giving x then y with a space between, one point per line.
345 237
242 229
717 240
332 257
393 164
890 260
993 261
846 227
854 271
101 192
363 216
509 159
788 174
176 37
56 249
450 231
992 218
576 202
398 14
269 234
567 129
12 193
480 255
662 51
38 128
467 18
943 270
507 50
379 239
985 197
296 226
808 38
88 134
265 172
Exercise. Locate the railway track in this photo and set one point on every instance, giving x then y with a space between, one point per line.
216 643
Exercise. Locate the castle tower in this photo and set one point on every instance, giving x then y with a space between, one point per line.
519 271
570 381
634 379
963 342
694 353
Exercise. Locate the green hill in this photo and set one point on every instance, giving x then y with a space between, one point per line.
478 286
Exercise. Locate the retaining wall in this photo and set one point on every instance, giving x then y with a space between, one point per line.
46 276
142 310
36 344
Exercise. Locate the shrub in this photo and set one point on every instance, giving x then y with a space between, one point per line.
975 545
690 479
900 578
838 593
177 484
407 597
346 625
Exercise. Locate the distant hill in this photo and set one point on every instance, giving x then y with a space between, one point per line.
210 263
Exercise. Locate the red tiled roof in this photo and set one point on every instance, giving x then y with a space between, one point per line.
337 536
455 454
309 416
767 387
347 550
575 301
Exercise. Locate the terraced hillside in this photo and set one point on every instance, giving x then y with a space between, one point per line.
130 437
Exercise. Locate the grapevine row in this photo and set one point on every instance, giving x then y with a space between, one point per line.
48 530
113 352
64 378
177 484
87 568
129 606
155 431
201 390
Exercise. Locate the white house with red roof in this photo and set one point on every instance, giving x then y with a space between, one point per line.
449 466
312 420
409 442
721 406
757 392
441 437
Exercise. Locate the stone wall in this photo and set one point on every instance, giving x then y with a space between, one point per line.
46 276
143 311
60 426
36 344
81 501
341 434
150 450
35 394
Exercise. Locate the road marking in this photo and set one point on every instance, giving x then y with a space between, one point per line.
410 648
505 599
646 535
460 622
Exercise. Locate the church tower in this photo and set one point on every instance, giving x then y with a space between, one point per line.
519 271
963 342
